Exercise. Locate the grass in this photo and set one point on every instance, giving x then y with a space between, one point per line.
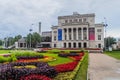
82 72
115 54
4 51
59 60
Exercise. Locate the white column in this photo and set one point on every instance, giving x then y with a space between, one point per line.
72 33
63 35
81 44
76 44
87 34
67 34
71 44
66 44
76 33
82 33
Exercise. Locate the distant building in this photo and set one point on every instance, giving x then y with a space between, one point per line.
77 31
21 43
46 39
118 44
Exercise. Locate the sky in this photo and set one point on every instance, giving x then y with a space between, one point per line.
18 16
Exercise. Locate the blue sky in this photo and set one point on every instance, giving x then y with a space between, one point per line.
17 16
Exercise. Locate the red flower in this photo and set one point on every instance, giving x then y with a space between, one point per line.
66 67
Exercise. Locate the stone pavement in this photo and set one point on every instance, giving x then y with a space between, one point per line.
103 67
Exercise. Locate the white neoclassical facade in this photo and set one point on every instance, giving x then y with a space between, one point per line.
78 31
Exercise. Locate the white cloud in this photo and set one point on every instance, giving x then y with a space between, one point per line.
20 14
16 16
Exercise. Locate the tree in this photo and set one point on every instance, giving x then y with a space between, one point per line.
109 41
35 38
119 39
17 38
1 42
11 40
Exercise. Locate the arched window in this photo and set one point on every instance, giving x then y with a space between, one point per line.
64 45
69 44
74 45
79 45
85 45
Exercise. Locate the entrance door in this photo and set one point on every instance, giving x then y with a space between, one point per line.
99 45
85 45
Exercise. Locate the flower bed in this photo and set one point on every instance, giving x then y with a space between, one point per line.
8 71
71 74
28 67
66 67
69 66
44 59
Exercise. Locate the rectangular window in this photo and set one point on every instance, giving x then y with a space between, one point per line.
70 21
66 21
54 38
84 20
80 20
99 30
54 45
75 20
55 31
99 37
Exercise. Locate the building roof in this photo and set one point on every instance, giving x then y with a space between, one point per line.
77 15
99 25
22 40
54 27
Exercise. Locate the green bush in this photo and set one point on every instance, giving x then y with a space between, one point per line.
26 53
13 57
54 51
5 59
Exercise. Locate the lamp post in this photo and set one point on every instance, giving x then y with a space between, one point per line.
105 25
30 37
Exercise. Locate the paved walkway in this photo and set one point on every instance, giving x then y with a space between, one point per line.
103 67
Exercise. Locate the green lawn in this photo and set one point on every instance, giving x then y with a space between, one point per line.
59 60
115 54
4 51
82 72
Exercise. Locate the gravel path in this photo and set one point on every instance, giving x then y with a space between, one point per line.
103 67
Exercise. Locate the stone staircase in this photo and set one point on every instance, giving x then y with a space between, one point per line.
95 51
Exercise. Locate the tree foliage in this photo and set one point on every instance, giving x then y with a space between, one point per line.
34 38
109 41
11 40
1 42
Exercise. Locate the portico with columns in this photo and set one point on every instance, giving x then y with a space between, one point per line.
77 31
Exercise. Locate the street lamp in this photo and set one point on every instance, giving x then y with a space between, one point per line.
105 25
30 37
